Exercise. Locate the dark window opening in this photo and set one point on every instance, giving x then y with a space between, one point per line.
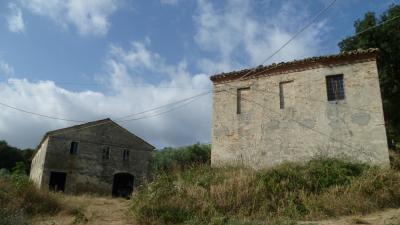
57 181
73 150
282 86
242 100
125 155
335 87
122 185
106 153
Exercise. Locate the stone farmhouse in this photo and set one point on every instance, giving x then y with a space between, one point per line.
97 157
327 106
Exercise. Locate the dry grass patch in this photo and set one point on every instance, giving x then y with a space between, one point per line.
19 200
321 188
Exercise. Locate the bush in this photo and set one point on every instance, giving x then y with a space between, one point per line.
202 195
168 159
20 199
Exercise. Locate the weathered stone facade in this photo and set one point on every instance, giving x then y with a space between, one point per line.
104 150
281 112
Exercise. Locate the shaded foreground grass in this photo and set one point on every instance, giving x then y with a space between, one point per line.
319 189
19 199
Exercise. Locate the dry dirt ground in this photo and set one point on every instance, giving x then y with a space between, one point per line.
89 210
94 210
387 217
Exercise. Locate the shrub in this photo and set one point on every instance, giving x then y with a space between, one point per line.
20 199
284 194
168 159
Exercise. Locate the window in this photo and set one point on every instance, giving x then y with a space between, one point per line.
73 150
106 153
125 155
286 94
335 87
243 100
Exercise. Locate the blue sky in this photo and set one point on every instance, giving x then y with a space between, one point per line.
91 59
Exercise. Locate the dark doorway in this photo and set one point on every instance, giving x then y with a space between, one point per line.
57 181
123 185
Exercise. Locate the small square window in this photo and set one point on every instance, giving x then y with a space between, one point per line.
73 150
106 153
335 87
125 155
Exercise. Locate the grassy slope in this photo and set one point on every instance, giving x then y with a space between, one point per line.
19 199
320 189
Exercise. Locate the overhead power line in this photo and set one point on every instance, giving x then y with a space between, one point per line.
166 111
41 115
321 12
83 121
373 27
122 85
293 120
312 100
184 102
162 106
356 34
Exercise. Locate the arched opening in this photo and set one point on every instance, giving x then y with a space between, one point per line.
122 185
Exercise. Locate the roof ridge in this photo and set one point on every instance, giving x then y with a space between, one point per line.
80 125
312 59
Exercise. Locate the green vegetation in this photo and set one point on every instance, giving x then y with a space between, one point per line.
168 159
387 38
19 199
10 156
320 189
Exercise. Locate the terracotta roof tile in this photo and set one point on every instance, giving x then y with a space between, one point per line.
263 70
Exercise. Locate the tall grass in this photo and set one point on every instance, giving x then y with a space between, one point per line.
19 200
319 189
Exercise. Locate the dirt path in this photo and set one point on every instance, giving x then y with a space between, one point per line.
387 217
90 210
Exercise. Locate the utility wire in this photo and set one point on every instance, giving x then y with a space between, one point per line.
166 111
312 100
41 115
296 121
162 106
122 85
82 121
373 27
292 38
184 101
356 34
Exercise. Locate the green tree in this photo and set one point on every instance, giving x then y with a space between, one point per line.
9 156
386 37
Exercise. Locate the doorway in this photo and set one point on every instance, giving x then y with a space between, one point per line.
122 185
57 181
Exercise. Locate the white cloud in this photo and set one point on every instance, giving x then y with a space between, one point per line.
89 17
169 2
15 20
240 39
126 93
6 69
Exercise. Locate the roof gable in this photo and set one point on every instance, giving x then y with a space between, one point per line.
90 125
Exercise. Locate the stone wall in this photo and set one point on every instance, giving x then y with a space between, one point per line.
37 165
309 125
88 171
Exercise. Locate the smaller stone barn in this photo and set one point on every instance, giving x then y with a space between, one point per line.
96 157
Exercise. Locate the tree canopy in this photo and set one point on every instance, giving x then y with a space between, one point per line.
386 37
10 156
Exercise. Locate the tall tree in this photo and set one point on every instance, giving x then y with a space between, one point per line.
386 37
10 156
